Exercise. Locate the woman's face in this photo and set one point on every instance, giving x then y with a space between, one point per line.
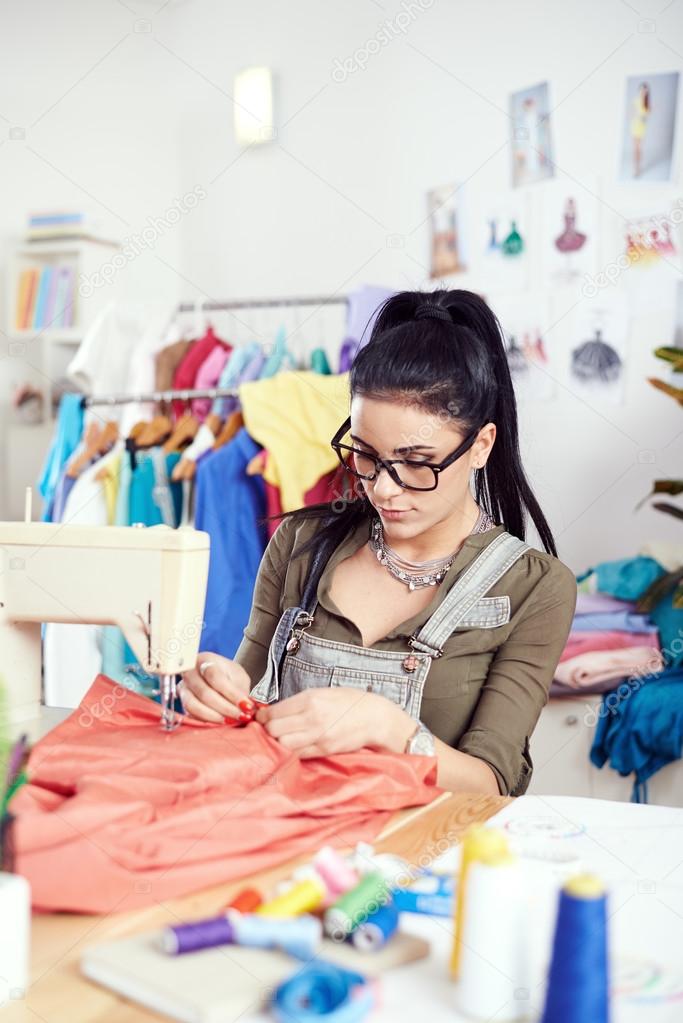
391 430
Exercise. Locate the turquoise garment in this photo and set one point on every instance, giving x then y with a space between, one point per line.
232 371
640 728
153 500
669 621
319 361
280 358
65 440
626 579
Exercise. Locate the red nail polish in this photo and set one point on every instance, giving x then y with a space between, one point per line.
247 706
244 719
230 721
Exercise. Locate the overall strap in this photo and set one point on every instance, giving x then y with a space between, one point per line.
487 568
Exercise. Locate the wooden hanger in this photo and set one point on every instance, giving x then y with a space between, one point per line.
232 425
184 431
97 441
154 432
186 468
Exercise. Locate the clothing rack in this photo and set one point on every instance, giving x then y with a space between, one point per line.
261 303
88 400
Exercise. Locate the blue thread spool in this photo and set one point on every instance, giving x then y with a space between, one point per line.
578 984
376 931
300 936
323 991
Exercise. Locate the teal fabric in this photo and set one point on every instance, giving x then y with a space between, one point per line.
65 440
628 578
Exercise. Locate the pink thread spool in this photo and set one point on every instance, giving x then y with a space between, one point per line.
338 875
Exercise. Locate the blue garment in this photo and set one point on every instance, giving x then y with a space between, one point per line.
612 621
62 491
627 578
65 440
229 506
237 363
280 358
640 727
669 621
153 500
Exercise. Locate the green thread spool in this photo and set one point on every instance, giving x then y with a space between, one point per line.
355 906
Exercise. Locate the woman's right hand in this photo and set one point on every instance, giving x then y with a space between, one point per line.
215 689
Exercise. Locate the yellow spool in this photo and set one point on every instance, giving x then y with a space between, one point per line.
304 897
585 886
479 843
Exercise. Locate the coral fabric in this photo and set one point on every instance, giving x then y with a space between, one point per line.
118 814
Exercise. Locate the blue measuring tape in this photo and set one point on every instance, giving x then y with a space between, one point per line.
323 991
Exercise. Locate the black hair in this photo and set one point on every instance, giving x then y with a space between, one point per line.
453 364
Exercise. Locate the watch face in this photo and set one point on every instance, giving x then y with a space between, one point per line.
422 744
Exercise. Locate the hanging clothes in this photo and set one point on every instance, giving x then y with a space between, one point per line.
65 439
119 814
230 506
208 376
294 416
229 378
280 359
640 728
186 373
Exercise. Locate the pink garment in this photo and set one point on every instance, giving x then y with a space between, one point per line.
601 665
118 814
208 375
586 642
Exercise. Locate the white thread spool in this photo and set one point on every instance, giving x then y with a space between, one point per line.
15 924
493 969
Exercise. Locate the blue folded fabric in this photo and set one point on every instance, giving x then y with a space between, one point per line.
640 728
612 621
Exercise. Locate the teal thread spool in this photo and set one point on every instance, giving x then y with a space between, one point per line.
578 984
354 907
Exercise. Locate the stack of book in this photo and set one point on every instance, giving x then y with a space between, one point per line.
61 226
46 297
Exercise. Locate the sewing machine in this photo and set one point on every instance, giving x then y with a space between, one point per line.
151 582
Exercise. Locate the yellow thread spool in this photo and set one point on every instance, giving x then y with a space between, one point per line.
304 897
479 843
585 886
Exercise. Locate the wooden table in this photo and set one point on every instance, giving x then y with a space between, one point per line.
59 994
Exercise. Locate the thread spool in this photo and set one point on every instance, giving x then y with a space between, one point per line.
338 875
299 936
478 842
578 983
355 906
193 937
493 971
377 930
246 901
304 897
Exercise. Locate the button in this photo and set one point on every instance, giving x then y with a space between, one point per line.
410 663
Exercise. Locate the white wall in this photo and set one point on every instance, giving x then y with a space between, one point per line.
339 198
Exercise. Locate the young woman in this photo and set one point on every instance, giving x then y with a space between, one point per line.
414 617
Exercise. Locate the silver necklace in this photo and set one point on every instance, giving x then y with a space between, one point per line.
416 574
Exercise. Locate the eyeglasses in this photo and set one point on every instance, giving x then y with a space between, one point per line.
410 475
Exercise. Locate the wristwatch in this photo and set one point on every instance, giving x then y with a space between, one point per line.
421 742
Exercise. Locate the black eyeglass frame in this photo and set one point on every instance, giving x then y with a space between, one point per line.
388 464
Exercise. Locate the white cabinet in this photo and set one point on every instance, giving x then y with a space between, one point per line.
560 748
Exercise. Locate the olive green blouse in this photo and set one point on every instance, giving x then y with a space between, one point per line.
485 694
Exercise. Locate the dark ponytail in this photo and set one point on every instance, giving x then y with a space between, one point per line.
444 352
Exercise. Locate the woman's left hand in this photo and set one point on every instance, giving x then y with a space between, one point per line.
321 722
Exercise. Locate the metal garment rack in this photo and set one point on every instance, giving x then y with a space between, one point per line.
261 303
88 400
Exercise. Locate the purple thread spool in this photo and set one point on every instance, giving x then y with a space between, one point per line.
194 937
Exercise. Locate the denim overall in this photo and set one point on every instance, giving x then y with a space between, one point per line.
297 661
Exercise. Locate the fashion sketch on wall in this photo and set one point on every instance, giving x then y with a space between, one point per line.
649 127
569 231
529 352
532 156
446 243
502 238
598 353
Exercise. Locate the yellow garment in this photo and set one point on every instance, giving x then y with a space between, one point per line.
294 416
640 113
110 484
